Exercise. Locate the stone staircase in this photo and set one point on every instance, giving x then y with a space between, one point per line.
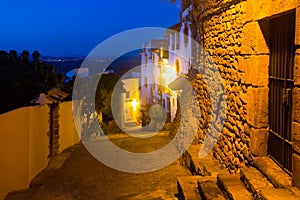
210 181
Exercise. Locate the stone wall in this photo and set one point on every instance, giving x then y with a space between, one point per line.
296 116
220 29
235 35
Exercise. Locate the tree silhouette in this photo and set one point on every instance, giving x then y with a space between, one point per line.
22 80
25 57
36 56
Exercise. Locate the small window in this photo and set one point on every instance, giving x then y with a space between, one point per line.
146 59
146 82
177 40
186 34
177 66
173 41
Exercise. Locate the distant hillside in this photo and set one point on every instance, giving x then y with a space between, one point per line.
126 62
64 64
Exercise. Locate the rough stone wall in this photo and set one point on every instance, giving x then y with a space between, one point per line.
203 97
296 105
235 34
220 29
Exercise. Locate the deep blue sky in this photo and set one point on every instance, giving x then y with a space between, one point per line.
73 28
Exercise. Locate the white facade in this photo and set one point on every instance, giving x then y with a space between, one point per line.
163 61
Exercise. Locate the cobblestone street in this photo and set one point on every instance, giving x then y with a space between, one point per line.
83 177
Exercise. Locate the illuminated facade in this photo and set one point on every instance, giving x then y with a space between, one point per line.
130 110
162 62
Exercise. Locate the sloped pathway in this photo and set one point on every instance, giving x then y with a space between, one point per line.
78 175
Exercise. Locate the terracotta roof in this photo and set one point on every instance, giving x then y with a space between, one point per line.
54 95
175 27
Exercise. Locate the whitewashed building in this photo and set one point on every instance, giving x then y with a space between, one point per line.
162 61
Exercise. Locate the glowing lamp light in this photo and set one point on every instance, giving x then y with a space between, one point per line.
134 104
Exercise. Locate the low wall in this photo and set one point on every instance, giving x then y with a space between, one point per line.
24 147
24 143
68 135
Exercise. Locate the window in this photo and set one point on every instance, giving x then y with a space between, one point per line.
146 59
186 34
173 41
177 40
146 82
177 64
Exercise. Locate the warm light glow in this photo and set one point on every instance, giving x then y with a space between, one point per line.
134 104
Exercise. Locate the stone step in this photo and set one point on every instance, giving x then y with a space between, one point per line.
187 187
21 194
210 167
209 189
254 181
207 166
278 177
261 188
232 187
277 194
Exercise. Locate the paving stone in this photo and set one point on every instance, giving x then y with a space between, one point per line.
232 187
209 189
188 187
273 172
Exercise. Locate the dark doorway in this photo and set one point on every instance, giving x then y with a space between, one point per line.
282 50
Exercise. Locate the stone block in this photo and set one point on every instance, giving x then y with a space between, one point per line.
259 141
296 104
257 107
296 171
274 193
241 63
297 25
233 187
296 136
277 176
209 189
254 180
257 70
188 187
297 66
280 6
257 10
253 40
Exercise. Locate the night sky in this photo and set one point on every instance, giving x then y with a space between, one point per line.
74 28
